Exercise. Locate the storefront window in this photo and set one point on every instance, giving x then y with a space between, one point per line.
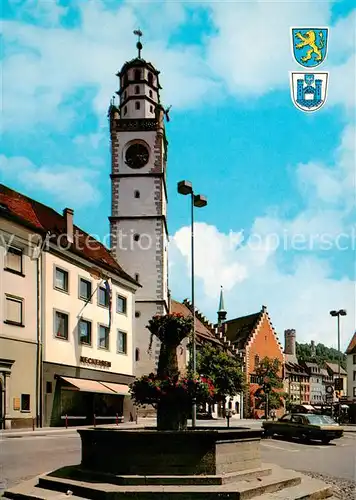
25 402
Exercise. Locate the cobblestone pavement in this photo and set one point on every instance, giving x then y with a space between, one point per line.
344 489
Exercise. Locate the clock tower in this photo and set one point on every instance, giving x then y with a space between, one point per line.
138 224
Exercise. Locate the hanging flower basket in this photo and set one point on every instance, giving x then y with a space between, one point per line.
180 391
170 329
171 394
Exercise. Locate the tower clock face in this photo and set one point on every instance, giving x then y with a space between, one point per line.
136 156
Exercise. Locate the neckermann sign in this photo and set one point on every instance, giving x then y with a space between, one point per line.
95 362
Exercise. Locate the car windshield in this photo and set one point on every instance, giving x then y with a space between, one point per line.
320 420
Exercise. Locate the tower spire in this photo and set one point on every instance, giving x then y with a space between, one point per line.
221 312
138 44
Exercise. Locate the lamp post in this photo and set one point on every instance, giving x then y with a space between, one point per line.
341 312
199 201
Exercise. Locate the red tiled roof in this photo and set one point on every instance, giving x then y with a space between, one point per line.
200 329
238 330
352 345
40 218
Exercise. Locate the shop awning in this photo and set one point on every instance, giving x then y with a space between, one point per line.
118 388
86 385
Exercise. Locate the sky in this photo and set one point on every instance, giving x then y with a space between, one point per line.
279 228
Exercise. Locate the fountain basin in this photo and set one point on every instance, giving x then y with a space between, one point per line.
147 451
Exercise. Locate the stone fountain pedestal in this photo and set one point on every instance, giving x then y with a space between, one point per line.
146 464
148 452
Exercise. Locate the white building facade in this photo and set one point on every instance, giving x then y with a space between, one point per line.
77 320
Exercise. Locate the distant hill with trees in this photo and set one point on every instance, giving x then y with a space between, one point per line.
323 354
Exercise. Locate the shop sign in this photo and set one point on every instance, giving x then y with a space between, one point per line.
16 404
96 362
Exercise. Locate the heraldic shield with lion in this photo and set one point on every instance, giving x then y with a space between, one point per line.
310 46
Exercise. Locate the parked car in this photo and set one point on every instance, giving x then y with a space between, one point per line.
305 426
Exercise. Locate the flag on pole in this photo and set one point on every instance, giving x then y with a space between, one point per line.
109 292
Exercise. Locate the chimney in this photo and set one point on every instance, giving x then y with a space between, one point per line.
289 342
68 219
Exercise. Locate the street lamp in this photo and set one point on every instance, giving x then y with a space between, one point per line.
198 201
341 312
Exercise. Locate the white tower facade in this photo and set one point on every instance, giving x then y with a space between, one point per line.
138 223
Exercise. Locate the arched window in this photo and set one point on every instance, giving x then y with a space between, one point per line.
137 354
137 74
150 78
150 93
137 89
137 194
137 105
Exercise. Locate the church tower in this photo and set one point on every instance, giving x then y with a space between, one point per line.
138 224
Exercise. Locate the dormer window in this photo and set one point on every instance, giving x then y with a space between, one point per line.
137 89
137 74
150 78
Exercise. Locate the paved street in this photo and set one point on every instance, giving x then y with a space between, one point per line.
29 455
336 459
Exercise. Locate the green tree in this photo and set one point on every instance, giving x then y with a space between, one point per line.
269 395
322 354
223 369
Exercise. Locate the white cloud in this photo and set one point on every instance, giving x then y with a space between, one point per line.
59 61
249 54
91 140
251 271
67 185
335 184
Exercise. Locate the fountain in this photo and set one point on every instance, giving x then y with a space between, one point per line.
171 461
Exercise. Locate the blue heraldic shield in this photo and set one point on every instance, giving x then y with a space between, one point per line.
309 95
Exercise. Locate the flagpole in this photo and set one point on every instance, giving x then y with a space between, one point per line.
89 300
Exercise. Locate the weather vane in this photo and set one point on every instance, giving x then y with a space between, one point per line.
138 44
